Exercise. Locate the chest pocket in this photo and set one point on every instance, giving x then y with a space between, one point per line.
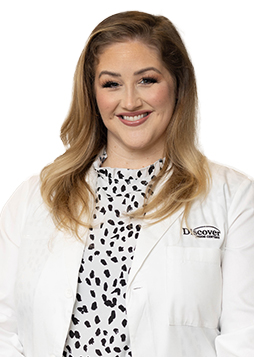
194 286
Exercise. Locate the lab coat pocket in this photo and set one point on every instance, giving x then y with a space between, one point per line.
194 286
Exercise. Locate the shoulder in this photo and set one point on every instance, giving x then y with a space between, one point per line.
25 192
233 192
23 208
228 179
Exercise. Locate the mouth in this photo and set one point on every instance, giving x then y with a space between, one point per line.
134 117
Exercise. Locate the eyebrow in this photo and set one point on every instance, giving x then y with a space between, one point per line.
110 74
143 70
146 70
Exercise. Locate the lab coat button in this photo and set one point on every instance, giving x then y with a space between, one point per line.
68 294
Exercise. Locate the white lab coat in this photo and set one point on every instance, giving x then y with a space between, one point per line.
187 295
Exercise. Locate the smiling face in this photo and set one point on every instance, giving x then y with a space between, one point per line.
135 95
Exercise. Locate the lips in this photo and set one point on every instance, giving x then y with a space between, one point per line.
134 119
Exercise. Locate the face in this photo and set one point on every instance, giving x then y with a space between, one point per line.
135 95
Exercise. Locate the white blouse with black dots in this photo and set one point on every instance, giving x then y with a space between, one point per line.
99 325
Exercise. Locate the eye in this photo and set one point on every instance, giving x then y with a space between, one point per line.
110 84
148 80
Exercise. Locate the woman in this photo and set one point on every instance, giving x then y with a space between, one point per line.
131 243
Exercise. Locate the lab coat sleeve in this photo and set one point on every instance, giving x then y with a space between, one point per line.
11 223
237 318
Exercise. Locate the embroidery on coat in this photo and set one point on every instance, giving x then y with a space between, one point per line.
203 232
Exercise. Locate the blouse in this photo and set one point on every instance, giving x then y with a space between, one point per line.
99 323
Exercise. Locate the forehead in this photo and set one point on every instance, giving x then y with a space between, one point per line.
129 53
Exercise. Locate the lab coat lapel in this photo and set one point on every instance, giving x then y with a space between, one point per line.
73 248
149 236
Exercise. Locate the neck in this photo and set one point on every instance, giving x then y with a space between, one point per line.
130 160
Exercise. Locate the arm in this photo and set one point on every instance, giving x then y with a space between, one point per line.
237 318
11 223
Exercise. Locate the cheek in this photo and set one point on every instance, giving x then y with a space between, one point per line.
105 103
101 101
162 98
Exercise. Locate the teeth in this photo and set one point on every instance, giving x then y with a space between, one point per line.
134 118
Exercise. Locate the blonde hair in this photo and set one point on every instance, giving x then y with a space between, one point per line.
64 187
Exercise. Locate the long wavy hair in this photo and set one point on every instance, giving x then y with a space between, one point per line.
185 174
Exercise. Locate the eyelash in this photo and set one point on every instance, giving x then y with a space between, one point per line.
147 80
110 84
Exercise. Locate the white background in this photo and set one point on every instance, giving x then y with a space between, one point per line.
41 42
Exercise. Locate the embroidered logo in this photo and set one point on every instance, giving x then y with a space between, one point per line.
203 232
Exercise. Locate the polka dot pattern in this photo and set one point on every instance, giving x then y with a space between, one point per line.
99 325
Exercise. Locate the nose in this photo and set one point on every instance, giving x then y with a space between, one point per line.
131 99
